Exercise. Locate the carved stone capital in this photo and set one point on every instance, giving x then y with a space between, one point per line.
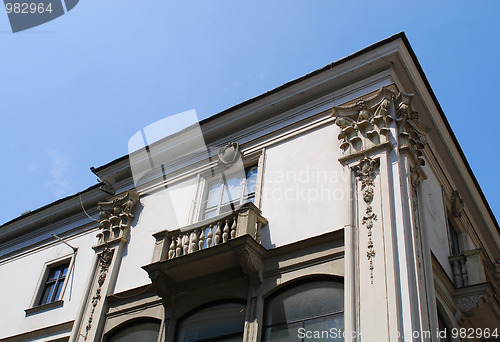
364 124
115 217
411 135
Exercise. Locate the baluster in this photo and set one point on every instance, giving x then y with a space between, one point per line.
171 252
193 241
217 233
178 249
185 244
201 241
233 227
225 235
465 276
210 235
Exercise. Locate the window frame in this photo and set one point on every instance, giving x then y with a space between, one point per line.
222 180
209 305
250 160
290 286
40 288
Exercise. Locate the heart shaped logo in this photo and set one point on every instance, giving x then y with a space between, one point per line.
25 14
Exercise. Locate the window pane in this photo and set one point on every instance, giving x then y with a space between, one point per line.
284 333
215 321
232 189
144 332
47 294
305 301
328 328
65 271
59 286
213 194
251 180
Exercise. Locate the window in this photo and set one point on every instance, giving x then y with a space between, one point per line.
225 192
454 239
53 285
220 322
309 308
143 330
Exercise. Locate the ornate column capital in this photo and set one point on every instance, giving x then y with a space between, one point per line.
115 217
364 124
411 135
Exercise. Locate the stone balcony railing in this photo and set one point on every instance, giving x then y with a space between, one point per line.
244 220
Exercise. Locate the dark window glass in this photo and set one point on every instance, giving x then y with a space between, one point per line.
140 331
315 307
54 284
221 322
454 241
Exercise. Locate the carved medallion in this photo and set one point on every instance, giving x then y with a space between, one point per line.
229 154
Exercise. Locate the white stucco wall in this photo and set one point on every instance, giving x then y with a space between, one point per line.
164 209
305 188
20 277
433 216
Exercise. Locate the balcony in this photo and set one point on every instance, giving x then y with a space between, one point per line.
477 288
211 248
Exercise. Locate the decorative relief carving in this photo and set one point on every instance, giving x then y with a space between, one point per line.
457 204
251 265
229 154
411 135
105 259
115 217
366 171
364 124
468 304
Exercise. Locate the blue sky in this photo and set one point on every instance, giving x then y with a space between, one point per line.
75 90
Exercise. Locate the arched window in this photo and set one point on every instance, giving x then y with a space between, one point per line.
144 330
312 310
219 322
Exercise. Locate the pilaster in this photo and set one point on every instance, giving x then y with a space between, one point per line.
382 143
115 219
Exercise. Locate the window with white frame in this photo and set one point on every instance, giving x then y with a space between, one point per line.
225 192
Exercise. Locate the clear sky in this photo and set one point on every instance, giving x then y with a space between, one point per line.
75 90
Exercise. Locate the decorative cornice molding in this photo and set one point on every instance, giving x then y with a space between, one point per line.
115 217
366 171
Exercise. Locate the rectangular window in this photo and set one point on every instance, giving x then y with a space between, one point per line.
225 192
53 284
454 239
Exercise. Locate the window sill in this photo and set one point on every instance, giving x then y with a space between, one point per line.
44 307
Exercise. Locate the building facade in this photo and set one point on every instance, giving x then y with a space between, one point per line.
337 207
